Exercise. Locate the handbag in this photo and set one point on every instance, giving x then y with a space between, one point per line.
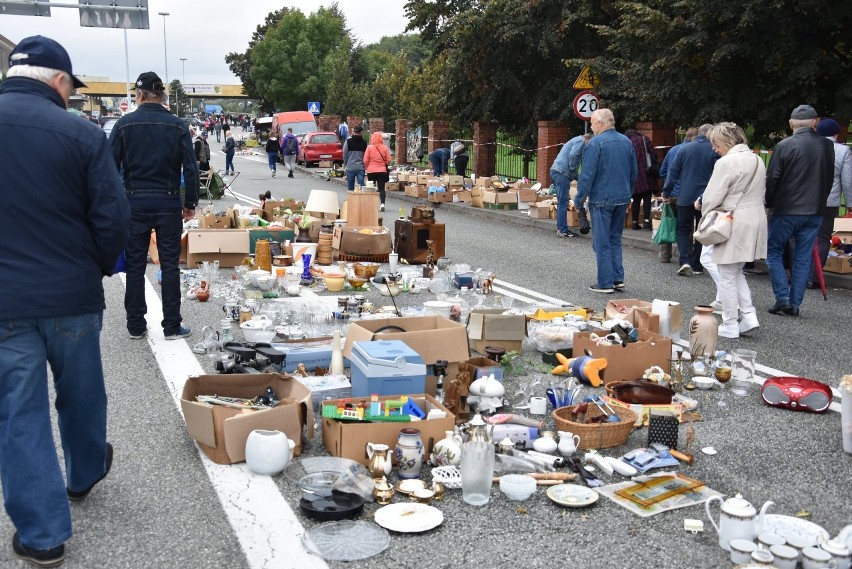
663 429
667 232
715 227
652 167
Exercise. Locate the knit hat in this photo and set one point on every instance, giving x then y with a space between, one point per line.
828 127
804 112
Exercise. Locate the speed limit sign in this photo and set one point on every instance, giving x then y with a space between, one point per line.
585 103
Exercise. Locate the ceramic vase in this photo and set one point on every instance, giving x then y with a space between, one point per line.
703 332
409 453
268 452
447 451
336 355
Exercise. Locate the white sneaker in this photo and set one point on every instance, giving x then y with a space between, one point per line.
729 330
382 207
684 270
748 323
716 306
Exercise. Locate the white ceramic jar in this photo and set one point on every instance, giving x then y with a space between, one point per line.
546 443
839 552
268 452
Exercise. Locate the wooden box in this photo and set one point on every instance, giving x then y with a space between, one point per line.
411 240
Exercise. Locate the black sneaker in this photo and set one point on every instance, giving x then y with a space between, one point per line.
77 496
618 285
566 233
585 229
139 335
636 226
52 557
602 290
779 307
290 175
182 332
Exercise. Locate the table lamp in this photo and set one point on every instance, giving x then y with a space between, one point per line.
323 202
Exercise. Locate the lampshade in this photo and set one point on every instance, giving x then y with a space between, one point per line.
322 201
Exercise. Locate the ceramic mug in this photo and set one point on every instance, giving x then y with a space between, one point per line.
786 557
767 539
817 558
762 556
741 550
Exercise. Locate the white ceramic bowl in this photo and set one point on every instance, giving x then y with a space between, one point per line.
702 382
517 486
438 308
256 274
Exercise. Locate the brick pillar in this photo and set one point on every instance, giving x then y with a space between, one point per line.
660 135
376 125
484 148
402 126
551 134
328 123
352 122
439 135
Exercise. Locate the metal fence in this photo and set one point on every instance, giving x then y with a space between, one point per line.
516 157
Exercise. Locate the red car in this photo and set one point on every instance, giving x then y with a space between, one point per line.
317 146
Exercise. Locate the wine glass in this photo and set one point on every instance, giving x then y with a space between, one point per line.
722 375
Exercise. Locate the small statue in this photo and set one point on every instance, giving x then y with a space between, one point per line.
455 395
430 257
487 282
585 368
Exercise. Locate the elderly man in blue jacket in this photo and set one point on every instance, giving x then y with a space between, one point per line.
609 172
51 157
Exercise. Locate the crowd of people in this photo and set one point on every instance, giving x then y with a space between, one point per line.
776 213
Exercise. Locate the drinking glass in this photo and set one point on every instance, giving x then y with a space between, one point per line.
742 371
477 468
722 374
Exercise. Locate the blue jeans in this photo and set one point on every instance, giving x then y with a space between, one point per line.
689 250
782 228
352 176
229 161
168 224
273 161
563 185
608 224
33 486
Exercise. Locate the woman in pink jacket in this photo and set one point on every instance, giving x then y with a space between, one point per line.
377 157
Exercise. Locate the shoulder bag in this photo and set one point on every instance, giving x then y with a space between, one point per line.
716 225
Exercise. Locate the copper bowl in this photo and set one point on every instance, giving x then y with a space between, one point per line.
365 270
356 282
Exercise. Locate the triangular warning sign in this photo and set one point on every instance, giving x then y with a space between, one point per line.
586 79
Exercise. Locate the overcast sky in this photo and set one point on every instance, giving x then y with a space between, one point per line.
202 31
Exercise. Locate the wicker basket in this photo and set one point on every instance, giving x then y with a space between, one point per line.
596 435
377 258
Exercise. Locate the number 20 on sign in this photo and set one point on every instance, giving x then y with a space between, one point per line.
585 103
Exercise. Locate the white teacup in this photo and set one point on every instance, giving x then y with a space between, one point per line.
741 550
817 558
767 539
762 556
786 557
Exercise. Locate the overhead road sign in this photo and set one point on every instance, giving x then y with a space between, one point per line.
21 9
314 107
587 79
585 103
127 14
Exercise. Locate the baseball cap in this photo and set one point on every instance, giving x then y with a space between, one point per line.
804 112
828 127
41 51
149 81
358 128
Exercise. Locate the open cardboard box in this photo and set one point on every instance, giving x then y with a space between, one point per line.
490 327
629 362
351 240
637 312
348 439
221 431
228 246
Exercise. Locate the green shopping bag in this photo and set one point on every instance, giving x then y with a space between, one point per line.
667 233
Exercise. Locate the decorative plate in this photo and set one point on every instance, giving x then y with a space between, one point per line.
412 517
410 486
789 525
572 495
346 540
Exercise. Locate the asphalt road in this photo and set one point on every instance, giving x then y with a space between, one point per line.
164 505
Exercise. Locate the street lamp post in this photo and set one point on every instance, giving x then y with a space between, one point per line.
183 80
165 52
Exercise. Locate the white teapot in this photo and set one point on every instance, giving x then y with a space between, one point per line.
738 520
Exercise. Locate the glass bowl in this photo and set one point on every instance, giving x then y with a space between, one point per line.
517 486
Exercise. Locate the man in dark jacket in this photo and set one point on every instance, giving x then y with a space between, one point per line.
353 157
79 236
798 182
692 167
151 145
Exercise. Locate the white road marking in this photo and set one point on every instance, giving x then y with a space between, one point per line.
268 530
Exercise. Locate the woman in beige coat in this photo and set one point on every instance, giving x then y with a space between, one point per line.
737 184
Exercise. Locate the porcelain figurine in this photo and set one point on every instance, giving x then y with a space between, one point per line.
738 519
447 451
585 368
409 453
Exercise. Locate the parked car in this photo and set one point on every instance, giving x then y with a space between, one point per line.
317 146
108 126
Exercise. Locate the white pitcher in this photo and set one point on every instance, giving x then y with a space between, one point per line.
568 443
738 519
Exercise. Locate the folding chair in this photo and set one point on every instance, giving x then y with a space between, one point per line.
205 177
226 183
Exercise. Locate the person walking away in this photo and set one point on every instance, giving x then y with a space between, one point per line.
842 183
353 158
460 157
561 172
666 248
798 183
58 320
151 146
738 185
377 158
646 181
218 127
609 171
692 167
343 130
438 159
272 151
289 151
202 152
230 150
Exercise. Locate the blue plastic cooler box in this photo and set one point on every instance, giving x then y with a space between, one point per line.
386 367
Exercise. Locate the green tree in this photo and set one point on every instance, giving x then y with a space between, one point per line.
752 62
178 99
240 63
288 66
421 97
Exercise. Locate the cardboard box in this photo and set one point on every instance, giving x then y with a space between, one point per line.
843 228
269 207
155 254
221 431
476 197
527 195
403 176
217 221
392 186
464 196
348 439
441 197
433 337
312 352
351 240
521 185
228 246
276 235
637 312
423 179
838 264
542 211
416 191
630 362
482 367
495 197
573 218
454 180
490 327
671 317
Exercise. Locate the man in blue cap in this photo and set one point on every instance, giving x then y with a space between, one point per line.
58 319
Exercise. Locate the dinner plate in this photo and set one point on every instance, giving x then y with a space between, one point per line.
789 525
412 517
572 495
346 540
